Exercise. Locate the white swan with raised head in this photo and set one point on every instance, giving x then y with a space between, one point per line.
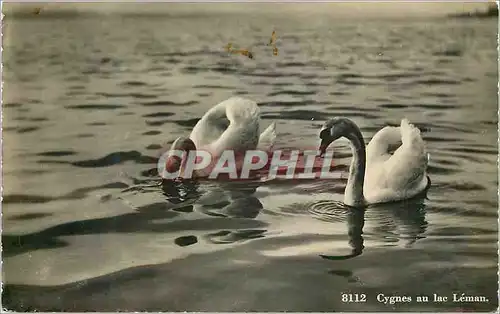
376 176
233 124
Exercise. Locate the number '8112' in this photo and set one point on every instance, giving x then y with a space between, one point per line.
353 297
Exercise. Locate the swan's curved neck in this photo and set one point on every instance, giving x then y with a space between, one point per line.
232 126
353 195
210 127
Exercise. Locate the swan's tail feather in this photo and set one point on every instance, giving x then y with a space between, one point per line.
410 134
267 138
415 156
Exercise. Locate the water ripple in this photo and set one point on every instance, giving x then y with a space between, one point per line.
161 103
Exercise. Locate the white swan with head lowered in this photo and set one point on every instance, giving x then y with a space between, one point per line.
375 175
233 124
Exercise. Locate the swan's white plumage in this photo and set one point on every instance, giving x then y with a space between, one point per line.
232 124
267 138
401 175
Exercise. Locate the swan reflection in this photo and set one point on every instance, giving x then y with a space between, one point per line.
222 199
390 222
217 199
178 192
401 221
230 199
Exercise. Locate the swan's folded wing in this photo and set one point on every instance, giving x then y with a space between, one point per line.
232 124
407 168
381 143
267 138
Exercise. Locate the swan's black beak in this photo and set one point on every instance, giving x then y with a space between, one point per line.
322 148
326 140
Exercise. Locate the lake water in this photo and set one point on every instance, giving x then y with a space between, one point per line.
88 103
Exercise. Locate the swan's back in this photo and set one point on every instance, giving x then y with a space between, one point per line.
232 120
241 110
401 175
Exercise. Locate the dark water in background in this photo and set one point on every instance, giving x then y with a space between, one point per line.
88 103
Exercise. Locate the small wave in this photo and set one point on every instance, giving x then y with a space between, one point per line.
291 92
292 103
76 194
357 83
444 128
187 123
195 53
296 115
439 95
474 150
204 86
30 216
157 123
152 132
57 153
153 147
434 81
449 52
424 106
96 123
37 119
338 93
27 129
291 65
269 74
227 236
434 169
464 186
435 106
441 139
449 209
12 105
160 103
395 106
193 70
115 159
132 95
397 76
225 70
445 162
25 199
133 83
84 135
158 115
96 107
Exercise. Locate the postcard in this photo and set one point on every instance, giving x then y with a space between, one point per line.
250 157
